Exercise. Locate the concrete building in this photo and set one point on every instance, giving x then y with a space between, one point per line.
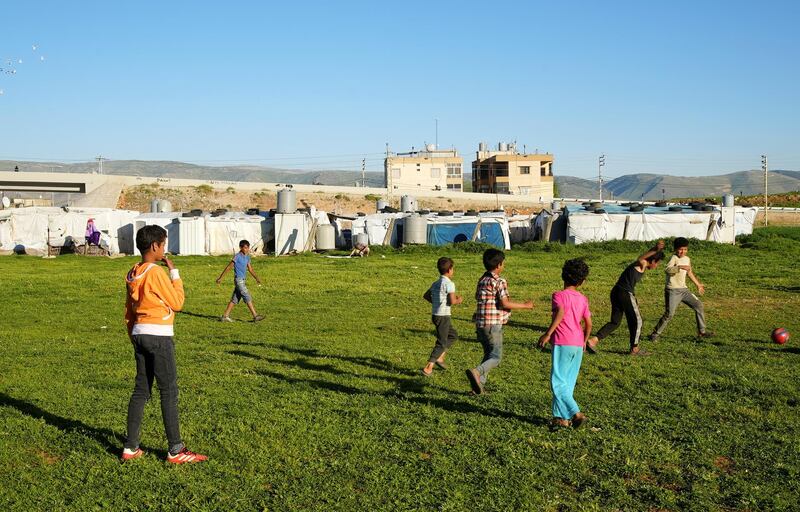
429 169
506 171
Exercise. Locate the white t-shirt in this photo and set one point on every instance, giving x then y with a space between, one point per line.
439 291
676 277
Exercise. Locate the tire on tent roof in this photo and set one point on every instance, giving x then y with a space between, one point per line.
676 208
661 204
423 212
445 213
599 210
708 208
698 206
637 208
361 214
470 213
596 204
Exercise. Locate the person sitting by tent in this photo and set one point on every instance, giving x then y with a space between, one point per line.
360 250
92 233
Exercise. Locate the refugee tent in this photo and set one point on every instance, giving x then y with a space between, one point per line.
32 229
223 232
377 225
554 221
651 223
453 229
6 240
185 235
520 228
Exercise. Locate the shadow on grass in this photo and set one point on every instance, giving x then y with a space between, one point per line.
779 350
200 315
458 406
781 288
108 439
525 325
412 384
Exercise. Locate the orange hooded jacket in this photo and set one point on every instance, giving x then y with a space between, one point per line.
152 300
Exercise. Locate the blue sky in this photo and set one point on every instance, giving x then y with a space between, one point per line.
687 88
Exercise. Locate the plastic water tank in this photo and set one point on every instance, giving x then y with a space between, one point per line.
154 206
326 237
408 204
381 204
361 238
164 206
555 205
415 230
727 200
287 201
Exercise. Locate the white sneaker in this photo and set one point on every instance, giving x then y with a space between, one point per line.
225 319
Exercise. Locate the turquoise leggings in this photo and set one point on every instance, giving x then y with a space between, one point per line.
563 376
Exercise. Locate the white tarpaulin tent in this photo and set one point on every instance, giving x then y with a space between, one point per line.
185 235
376 225
28 229
520 228
720 224
224 232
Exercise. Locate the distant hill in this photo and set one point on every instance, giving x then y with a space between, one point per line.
167 169
656 186
630 187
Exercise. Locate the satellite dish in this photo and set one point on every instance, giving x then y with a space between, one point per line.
6 202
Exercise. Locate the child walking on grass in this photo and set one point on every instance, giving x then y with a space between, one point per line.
152 300
241 265
492 312
442 295
679 267
570 308
623 300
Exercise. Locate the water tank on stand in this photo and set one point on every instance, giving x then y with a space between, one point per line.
555 206
326 237
727 200
381 204
415 230
502 146
287 201
164 206
154 206
361 238
408 204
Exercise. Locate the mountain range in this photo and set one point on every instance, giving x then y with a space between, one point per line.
630 187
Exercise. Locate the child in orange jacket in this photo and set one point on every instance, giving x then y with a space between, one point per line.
152 301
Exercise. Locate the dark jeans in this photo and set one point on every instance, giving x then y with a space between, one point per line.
446 335
155 358
623 303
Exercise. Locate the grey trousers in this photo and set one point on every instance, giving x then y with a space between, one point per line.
491 339
673 297
446 335
155 359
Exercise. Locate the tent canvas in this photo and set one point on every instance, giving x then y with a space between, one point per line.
223 233
448 230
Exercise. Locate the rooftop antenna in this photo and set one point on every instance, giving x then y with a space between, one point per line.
100 163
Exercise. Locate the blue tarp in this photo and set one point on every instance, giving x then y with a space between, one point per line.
442 234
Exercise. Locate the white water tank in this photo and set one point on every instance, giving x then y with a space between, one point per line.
556 206
481 146
154 206
326 237
361 238
727 200
415 230
287 201
164 206
408 204
502 146
381 204
430 147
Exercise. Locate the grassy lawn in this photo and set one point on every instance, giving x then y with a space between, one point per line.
321 407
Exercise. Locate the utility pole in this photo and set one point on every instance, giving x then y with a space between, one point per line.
363 172
765 168
100 162
437 133
601 162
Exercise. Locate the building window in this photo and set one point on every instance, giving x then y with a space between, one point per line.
501 188
525 170
544 170
436 172
453 170
454 186
396 172
524 191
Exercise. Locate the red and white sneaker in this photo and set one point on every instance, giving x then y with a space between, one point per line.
185 457
128 454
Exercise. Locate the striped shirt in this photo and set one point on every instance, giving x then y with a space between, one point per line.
491 288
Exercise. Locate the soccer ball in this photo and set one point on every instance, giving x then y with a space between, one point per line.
780 335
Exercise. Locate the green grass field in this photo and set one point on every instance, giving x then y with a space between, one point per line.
321 407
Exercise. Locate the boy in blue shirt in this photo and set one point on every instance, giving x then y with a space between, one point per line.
442 295
241 265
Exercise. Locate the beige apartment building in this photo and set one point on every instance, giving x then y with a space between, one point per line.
429 169
506 171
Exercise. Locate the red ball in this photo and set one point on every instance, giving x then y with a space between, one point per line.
780 335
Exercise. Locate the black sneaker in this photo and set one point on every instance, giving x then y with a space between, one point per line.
707 334
653 337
